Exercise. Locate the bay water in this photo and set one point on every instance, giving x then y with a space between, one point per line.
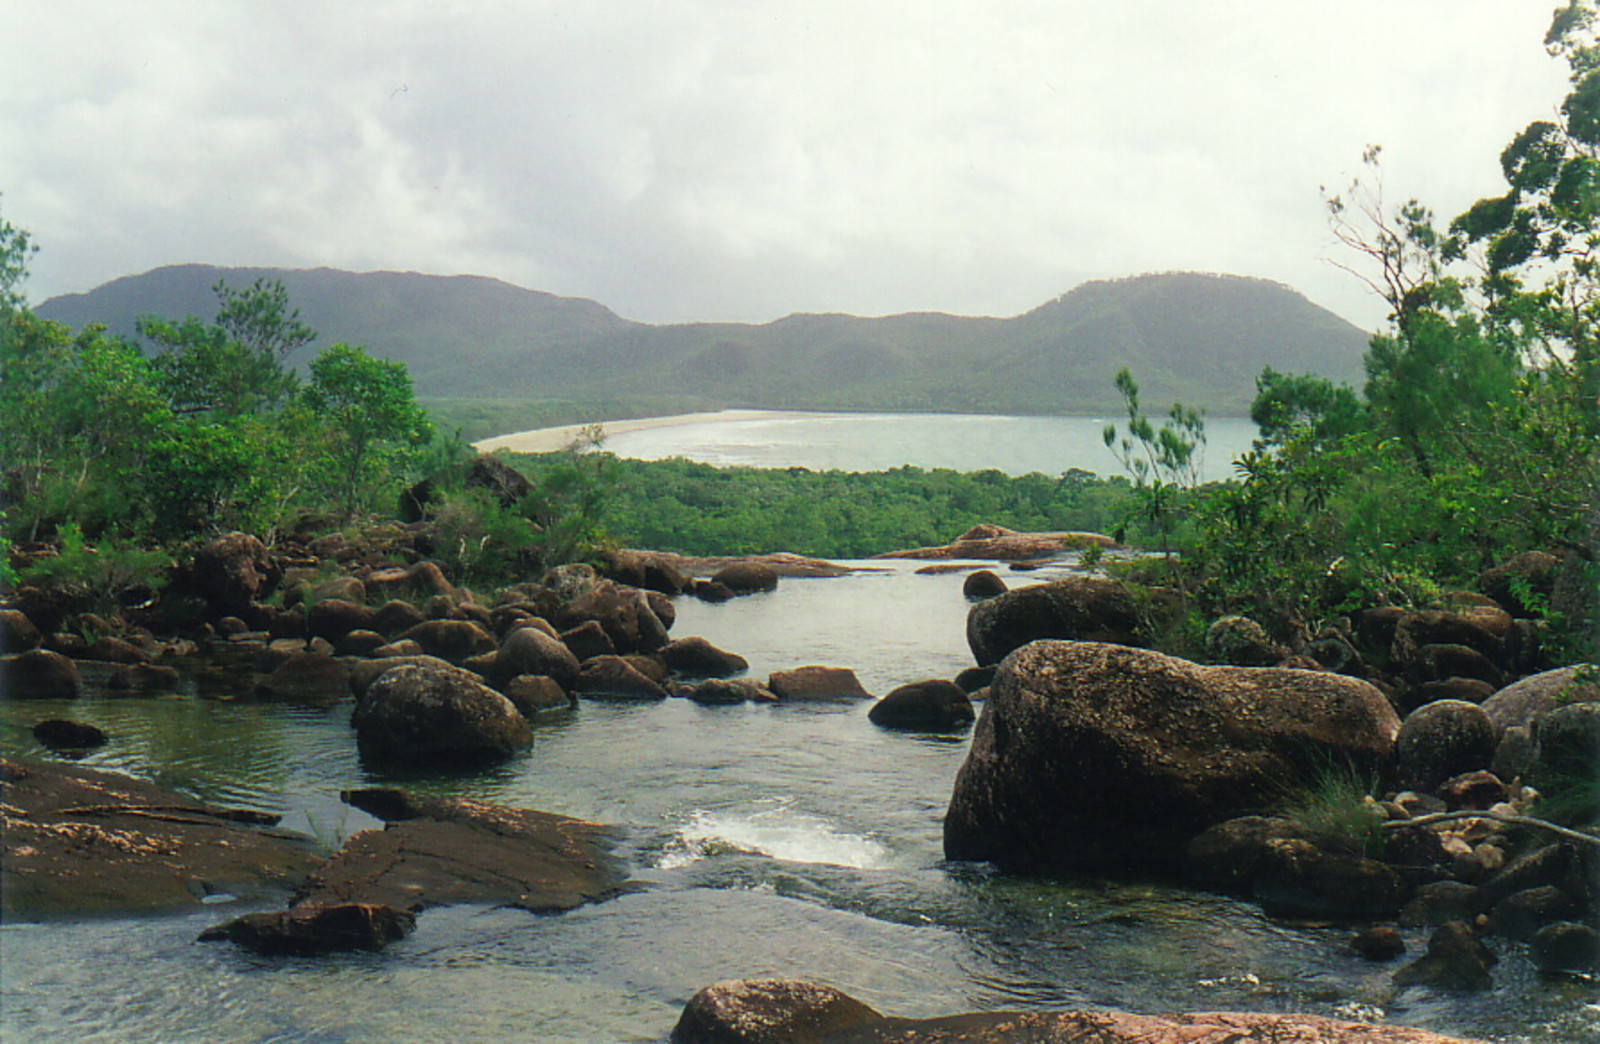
879 441
796 841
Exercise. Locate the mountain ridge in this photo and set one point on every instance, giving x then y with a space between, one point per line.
1200 338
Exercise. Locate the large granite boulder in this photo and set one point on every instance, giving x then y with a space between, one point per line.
783 1011
417 715
1074 609
453 640
697 658
1525 702
1090 756
307 678
1441 740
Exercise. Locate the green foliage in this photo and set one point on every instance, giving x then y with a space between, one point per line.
259 320
99 578
1475 434
1336 810
1161 461
375 425
699 509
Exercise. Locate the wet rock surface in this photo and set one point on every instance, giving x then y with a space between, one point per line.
778 1011
79 841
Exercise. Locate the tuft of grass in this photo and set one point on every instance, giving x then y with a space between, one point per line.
1336 809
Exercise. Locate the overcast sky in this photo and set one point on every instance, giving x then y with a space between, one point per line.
743 159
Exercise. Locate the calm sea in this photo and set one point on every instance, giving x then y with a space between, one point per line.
879 441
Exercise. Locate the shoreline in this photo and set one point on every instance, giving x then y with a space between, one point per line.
550 440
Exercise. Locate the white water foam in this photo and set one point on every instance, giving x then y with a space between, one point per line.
780 833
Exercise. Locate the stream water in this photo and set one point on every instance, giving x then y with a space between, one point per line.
795 841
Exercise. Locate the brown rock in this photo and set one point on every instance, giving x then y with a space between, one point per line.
80 842
415 715
40 674
140 678
312 929
307 679
777 1011
613 677
232 571
453 640
535 694
749 577
1077 608
697 658
926 706
817 683
1151 749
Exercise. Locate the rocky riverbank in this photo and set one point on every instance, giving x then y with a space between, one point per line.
1091 754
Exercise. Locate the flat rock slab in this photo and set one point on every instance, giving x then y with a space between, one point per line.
783 563
440 852
1007 547
84 842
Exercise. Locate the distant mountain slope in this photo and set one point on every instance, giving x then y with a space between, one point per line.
1196 338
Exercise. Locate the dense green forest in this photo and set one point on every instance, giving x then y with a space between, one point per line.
697 509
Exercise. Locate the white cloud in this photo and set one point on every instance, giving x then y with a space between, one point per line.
716 160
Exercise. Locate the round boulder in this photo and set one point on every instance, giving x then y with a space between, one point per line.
1525 702
308 679
453 640
529 650
40 674
985 583
1077 608
1240 641
697 658
416 716
1090 756
720 691
1442 740
926 706
613 677
768 1011
333 618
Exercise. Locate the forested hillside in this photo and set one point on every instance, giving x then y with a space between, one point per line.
1196 338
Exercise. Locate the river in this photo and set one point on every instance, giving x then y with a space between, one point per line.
795 841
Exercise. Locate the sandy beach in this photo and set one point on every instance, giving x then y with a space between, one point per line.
549 440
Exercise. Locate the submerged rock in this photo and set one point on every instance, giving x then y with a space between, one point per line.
62 735
1101 757
310 929
434 852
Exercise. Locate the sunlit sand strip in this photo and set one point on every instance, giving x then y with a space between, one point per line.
549 440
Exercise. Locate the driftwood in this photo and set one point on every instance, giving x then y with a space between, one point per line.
1499 817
